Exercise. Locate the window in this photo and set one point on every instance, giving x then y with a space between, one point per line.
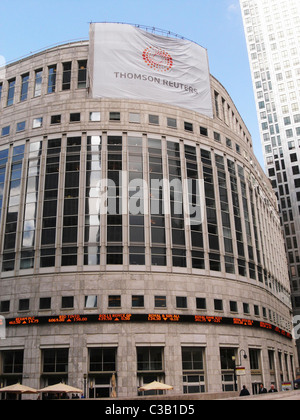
134 117
218 305
214 262
5 131
55 119
50 203
91 301
37 122
69 254
160 301
229 264
193 370
201 303
45 303
217 104
102 367
75 117
233 306
181 302
197 256
159 257
136 253
246 308
95 116
114 301
228 143
51 79
171 122
24 87
4 306
188 126
47 257
13 361
82 74
67 302
179 257
67 70
23 304
228 356
11 92
138 301
102 360
114 116
149 359
254 359
203 131
217 136
154 119
38 83
114 255
296 170
21 126
294 157
55 361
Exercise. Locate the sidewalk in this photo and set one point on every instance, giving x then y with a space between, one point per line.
280 396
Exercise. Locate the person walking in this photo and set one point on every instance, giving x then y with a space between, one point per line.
244 392
262 389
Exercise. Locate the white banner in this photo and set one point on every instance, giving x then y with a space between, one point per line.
127 62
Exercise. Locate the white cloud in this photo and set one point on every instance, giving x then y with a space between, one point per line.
233 8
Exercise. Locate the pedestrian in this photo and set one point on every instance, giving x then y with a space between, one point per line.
273 389
262 389
244 392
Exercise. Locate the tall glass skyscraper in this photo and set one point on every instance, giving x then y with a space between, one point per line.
272 29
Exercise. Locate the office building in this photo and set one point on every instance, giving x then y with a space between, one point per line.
140 238
272 29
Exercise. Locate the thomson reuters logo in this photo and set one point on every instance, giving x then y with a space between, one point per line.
158 59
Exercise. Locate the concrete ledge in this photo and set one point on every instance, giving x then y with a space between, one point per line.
184 397
288 395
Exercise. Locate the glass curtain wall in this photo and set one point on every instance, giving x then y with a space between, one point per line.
31 206
12 215
92 201
156 179
137 204
49 219
114 216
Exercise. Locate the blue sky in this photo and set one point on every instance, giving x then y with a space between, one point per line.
28 26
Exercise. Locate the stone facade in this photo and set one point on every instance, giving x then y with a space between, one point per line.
194 357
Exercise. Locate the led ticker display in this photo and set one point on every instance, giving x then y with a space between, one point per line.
146 318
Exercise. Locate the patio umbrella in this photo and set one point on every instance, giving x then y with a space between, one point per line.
156 386
61 388
114 387
19 389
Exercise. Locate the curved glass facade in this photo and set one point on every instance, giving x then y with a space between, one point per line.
106 199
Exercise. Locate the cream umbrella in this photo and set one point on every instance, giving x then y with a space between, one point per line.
19 389
156 386
114 386
61 388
